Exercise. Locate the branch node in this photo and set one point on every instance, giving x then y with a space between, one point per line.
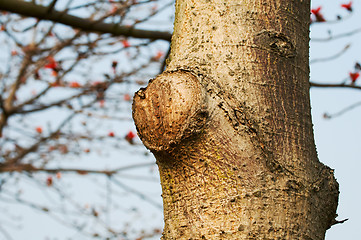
172 108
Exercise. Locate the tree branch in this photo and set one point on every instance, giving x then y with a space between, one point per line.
41 12
338 85
30 168
51 6
334 37
43 107
36 145
5 233
137 193
331 57
341 112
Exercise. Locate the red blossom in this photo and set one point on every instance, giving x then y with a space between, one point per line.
347 6
125 43
318 14
74 85
63 149
158 56
51 148
130 136
55 84
127 97
51 63
101 103
54 73
39 130
114 9
154 8
96 83
111 134
354 76
316 10
49 181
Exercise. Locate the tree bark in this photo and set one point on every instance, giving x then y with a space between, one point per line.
230 126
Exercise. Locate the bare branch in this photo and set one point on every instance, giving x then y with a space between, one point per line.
8 104
5 233
331 57
338 222
51 6
153 13
36 145
339 113
332 85
139 194
44 209
31 168
43 107
41 12
342 35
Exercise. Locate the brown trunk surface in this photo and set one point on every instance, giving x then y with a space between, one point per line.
230 126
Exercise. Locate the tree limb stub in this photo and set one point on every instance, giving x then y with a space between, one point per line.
173 107
41 12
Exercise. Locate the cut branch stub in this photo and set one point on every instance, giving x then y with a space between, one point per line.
172 108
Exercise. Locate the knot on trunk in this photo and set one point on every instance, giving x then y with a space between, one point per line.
172 108
275 42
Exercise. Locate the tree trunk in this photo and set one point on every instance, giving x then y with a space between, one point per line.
230 126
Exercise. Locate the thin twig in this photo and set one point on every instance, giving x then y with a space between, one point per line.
36 145
334 85
5 233
338 36
331 57
341 112
137 193
30 168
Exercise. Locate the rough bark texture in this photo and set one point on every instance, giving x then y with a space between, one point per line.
229 123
